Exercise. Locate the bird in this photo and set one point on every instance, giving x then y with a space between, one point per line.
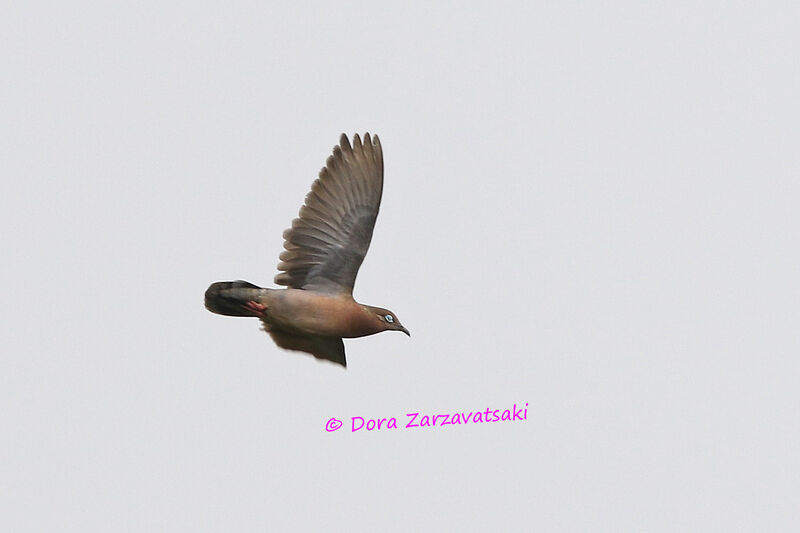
323 251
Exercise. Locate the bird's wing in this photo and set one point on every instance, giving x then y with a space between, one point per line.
326 244
329 348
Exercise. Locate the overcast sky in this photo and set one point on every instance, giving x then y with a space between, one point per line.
589 210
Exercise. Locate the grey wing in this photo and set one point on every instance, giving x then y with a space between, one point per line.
327 243
329 348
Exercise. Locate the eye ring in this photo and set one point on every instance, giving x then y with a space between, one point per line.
389 319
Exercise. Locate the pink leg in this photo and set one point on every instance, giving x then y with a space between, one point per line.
256 307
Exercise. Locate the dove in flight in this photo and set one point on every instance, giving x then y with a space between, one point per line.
324 249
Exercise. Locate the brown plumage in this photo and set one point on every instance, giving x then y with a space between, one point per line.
324 249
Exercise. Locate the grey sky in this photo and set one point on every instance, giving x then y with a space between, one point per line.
592 210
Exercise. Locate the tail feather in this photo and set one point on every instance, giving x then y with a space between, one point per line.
229 298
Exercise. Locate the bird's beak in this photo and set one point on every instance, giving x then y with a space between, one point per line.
404 330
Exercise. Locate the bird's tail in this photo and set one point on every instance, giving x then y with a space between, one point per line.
231 298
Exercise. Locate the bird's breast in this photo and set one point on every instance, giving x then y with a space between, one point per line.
311 313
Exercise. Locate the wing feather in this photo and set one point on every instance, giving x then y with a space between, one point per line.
327 243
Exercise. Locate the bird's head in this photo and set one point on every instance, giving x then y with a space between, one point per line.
387 319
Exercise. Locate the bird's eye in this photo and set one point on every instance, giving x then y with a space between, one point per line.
389 318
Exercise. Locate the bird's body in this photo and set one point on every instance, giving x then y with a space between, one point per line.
301 312
324 250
